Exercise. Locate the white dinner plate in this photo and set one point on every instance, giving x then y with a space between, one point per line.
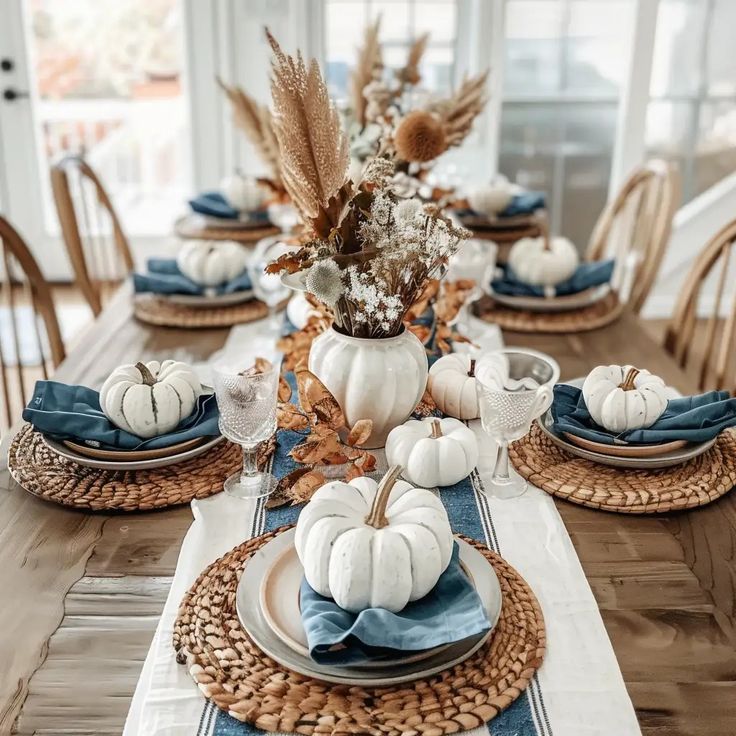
208 301
567 303
159 462
251 616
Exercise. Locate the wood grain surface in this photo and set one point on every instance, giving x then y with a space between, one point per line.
82 592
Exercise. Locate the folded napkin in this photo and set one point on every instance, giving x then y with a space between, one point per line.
586 275
452 611
164 277
694 418
213 204
73 413
524 204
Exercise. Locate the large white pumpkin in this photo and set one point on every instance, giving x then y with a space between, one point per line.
490 199
243 193
149 399
373 545
211 263
452 385
543 261
621 397
433 452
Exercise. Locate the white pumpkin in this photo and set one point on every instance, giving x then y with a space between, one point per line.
211 262
543 261
621 397
373 545
149 399
490 199
243 193
433 452
452 385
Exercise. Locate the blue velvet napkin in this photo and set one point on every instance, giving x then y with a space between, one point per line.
586 275
452 611
694 418
213 204
73 413
164 277
524 204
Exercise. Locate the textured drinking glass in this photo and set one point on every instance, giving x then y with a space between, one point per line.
247 405
514 388
284 216
475 260
268 287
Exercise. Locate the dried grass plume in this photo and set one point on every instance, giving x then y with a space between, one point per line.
367 68
409 73
460 111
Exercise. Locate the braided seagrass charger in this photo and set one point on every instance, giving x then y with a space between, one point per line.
163 313
189 227
38 469
240 679
599 314
694 483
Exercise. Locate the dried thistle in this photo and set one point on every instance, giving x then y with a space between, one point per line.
420 137
460 111
312 144
367 69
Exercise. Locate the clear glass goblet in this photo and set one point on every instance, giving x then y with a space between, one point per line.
269 287
284 216
514 387
247 405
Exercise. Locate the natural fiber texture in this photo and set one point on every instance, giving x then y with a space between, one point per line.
313 147
191 227
368 66
694 483
599 314
156 311
460 111
239 678
38 469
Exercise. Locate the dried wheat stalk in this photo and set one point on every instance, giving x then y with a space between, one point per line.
368 65
312 145
256 122
459 111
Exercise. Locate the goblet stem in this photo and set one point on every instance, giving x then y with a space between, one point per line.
501 471
250 471
274 319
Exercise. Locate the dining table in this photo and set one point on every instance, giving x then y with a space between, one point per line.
82 592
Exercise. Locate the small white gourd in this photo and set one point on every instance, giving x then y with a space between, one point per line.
150 399
452 386
371 545
543 261
211 262
243 193
490 199
433 452
621 398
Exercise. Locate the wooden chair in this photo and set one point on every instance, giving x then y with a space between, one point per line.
25 299
98 249
635 229
712 267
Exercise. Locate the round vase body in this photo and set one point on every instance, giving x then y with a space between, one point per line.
377 379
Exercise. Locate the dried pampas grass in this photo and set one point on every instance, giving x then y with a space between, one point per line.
409 73
460 111
367 68
313 147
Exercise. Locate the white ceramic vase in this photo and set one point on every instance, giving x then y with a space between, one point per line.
380 379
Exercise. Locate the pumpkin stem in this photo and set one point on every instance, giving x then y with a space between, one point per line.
436 429
377 515
146 375
628 383
471 372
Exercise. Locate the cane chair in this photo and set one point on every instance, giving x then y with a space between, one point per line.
25 301
634 228
712 362
98 249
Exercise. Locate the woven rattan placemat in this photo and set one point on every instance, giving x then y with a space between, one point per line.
162 313
230 669
599 314
191 227
694 483
38 469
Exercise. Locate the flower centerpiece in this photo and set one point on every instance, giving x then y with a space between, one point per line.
367 252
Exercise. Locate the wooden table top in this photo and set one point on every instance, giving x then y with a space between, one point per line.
82 593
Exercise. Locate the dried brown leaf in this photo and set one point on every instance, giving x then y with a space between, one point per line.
305 486
284 393
288 416
426 406
359 432
316 447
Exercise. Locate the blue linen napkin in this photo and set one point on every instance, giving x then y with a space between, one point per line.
525 203
452 611
164 277
694 418
213 204
586 275
73 413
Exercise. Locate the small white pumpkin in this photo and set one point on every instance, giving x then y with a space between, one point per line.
149 399
211 262
543 261
243 193
452 385
433 452
621 398
373 545
490 199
